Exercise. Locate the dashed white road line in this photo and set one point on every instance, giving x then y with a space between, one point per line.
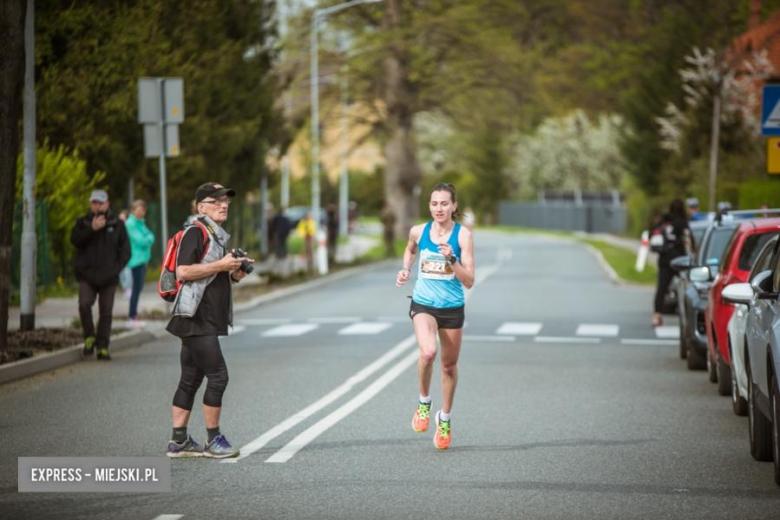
637 341
263 321
338 319
563 339
667 332
490 339
589 329
168 517
236 329
363 329
520 329
297 329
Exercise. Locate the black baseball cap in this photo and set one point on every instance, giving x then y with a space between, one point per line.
212 189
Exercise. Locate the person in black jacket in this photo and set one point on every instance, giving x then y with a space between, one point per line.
102 250
677 241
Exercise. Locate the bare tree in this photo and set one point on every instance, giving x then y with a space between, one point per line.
11 82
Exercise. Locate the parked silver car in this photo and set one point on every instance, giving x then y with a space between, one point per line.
741 294
762 364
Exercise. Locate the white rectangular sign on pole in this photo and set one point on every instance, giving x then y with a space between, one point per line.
174 100
148 101
152 141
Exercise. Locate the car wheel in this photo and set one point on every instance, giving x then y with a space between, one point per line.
724 377
759 427
738 403
711 369
683 342
695 360
776 428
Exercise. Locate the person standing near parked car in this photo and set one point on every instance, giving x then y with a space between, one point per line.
677 241
141 240
102 250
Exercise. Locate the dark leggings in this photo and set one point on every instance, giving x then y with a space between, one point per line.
665 275
201 357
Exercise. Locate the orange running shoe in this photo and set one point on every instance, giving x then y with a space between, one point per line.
443 435
421 417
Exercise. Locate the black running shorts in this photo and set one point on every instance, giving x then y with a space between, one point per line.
449 318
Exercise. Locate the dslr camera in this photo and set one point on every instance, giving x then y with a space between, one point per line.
245 265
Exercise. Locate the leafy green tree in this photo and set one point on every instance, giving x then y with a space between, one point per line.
91 54
62 182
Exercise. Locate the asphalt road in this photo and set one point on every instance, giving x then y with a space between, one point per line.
569 406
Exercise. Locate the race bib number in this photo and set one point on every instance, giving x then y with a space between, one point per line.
434 266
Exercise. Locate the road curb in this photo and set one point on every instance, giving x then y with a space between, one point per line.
613 276
67 356
134 338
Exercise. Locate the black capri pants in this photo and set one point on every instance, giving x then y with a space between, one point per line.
201 357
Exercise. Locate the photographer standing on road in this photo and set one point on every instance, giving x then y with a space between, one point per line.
202 312
102 250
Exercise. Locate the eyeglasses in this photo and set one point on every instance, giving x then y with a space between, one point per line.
227 201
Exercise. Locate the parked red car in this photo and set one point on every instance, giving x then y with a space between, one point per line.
746 243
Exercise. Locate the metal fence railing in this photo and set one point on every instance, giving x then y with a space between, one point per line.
566 216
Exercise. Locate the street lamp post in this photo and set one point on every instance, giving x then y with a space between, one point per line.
319 15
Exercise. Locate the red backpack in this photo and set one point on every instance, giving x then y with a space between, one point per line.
168 286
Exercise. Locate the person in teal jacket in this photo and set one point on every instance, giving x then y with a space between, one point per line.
141 240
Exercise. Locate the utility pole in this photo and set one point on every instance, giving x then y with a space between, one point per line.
29 270
344 181
715 143
318 16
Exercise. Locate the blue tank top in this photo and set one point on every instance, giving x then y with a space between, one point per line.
437 286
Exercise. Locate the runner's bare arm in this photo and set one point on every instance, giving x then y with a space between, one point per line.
409 253
465 268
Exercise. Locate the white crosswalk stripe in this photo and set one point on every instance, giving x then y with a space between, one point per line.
263 321
290 330
514 328
345 319
594 330
667 332
368 328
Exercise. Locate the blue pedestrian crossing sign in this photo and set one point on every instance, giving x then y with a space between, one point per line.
770 111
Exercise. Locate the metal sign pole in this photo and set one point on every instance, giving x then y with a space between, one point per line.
163 195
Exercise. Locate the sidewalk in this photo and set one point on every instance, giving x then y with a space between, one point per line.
61 312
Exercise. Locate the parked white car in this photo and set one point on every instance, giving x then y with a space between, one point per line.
741 294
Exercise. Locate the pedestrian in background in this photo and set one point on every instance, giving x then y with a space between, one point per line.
102 251
677 241
280 229
332 226
305 230
693 210
141 241
126 276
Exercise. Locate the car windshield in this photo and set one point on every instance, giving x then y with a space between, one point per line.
717 243
698 234
764 259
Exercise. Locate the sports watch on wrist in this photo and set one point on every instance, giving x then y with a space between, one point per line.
452 260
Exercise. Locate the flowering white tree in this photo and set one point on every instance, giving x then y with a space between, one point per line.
570 153
705 74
